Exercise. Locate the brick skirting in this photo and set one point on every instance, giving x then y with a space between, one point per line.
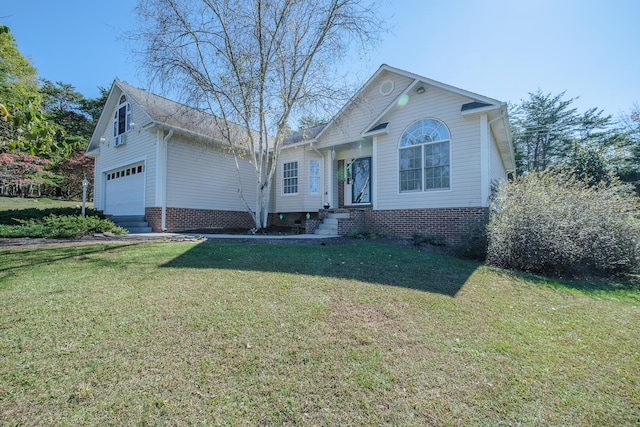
183 219
452 225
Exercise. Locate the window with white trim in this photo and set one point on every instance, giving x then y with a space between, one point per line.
290 178
314 176
424 153
122 117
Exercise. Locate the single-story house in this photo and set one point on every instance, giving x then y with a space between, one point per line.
405 155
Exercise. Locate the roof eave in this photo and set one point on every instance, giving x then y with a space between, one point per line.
189 134
481 110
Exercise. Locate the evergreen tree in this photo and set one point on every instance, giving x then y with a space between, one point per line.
543 128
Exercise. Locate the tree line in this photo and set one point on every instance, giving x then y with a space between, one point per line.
549 133
44 128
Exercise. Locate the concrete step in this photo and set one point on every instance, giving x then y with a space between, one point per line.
330 221
138 230
127 224
120 218
326 232
338 215
134 224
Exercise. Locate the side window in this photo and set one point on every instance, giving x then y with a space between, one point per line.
290 178
314 176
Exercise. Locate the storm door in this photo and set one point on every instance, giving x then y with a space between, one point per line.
361 176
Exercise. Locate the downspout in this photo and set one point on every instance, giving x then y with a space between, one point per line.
165 141
322 170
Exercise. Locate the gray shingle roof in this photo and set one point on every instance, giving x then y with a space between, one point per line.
303 135
181 117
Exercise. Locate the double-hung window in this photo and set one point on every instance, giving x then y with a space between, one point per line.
424 153
290 178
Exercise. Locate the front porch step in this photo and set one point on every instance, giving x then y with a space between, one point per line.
329 226
338 215
134 224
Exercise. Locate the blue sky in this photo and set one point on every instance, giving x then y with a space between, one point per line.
503 49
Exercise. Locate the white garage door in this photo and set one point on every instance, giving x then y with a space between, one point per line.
124 193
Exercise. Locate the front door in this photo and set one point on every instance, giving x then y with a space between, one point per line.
361 176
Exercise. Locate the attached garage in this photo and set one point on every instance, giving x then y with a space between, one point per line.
124 192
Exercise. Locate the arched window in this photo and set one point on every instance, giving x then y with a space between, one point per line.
122 117
424 157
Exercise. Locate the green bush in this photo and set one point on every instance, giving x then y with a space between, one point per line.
17 216
55 226
366 234
432 240
552 224
474 243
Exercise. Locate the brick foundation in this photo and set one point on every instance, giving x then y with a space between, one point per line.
452 225
183 219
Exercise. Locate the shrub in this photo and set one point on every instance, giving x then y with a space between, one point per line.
552 224
366 234
54 226
474 243
432 240
18 216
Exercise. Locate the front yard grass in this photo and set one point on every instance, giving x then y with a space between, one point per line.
356 334
10 203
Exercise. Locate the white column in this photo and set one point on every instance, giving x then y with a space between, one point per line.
374 172
329 174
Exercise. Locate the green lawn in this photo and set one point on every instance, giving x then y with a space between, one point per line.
10 203
356 334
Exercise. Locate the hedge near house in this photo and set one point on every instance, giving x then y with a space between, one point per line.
555 224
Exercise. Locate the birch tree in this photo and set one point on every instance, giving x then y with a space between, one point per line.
253 64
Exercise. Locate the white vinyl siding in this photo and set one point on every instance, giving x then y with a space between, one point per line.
464 189
201 177
363 111
303 200
140 147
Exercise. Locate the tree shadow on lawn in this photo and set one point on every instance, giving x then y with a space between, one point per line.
362 261
21 258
